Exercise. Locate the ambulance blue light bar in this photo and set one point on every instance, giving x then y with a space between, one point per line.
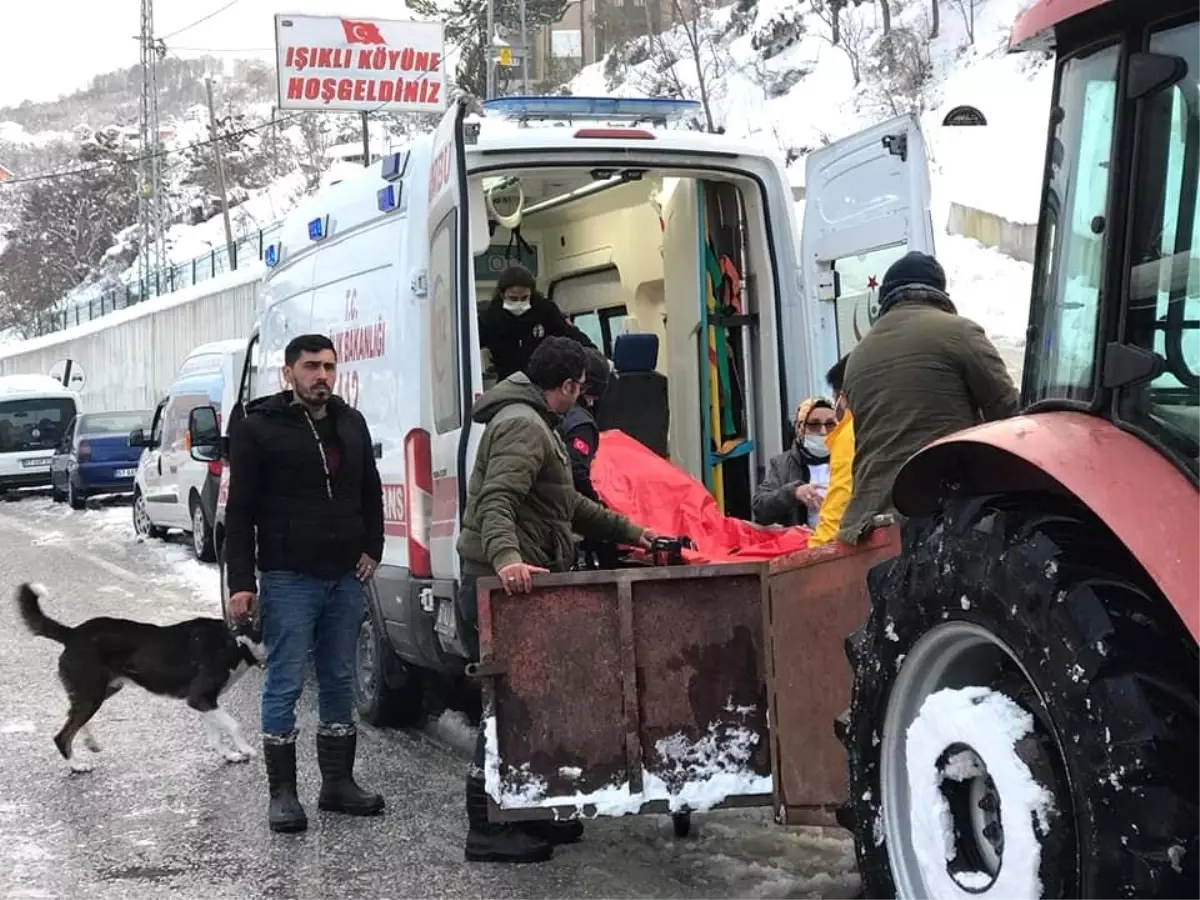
640 109
394 165
318 228
388 198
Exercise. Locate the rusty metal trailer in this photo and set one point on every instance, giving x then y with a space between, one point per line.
673 690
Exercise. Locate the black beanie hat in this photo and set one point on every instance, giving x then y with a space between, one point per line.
515 276
913 267
597 373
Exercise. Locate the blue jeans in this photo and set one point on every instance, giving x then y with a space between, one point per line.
302 614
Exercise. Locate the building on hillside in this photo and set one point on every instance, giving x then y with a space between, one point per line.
6 174
586 32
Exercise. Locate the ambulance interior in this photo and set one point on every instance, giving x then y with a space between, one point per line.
645 263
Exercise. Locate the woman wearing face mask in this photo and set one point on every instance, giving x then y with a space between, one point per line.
796 479
518 319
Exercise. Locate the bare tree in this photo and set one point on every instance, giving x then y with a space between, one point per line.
935 18
848 33
690 40
314 142
966 9
900 70
830 13
885 11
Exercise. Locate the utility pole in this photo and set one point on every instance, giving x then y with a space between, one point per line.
150 200
489 51
275 142
366 138
524 51
216 144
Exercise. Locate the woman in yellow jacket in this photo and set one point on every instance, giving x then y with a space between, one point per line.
840 442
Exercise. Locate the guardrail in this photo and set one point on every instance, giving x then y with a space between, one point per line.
93 305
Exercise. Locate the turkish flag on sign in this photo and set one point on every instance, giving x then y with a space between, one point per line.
362 32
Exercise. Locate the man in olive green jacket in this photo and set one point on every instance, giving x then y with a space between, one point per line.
521 517
921 373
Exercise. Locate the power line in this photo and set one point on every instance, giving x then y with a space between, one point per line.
223 49
201 20
83 170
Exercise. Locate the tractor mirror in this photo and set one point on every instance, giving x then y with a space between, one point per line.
1151 72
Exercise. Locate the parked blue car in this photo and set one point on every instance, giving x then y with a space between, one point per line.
95 457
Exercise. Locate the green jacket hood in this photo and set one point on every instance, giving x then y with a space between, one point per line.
516 388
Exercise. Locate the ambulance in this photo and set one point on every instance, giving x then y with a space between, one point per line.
678 252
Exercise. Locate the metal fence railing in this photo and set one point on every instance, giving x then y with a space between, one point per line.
92 304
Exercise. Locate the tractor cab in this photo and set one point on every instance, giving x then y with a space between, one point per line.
1023 716
1114 324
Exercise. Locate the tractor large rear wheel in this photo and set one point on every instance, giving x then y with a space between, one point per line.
1024 715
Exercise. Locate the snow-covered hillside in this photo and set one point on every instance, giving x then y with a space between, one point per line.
771 71
805 96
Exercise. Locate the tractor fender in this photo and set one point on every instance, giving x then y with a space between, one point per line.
1145 500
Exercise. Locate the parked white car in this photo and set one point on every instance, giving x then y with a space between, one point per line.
171 489
35 411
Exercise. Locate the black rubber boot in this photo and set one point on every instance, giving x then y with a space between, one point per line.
496 842
555 833
284 813
339 792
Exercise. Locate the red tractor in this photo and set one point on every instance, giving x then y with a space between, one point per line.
1024 712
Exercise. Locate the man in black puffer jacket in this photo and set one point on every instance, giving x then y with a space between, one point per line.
518 319
303 474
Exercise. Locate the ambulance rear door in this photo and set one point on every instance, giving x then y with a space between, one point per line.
866 205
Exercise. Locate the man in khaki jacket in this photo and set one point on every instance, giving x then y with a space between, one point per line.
921 373
522 514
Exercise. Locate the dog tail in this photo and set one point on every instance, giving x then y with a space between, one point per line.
29 600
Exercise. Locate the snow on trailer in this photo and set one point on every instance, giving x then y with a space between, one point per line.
620 692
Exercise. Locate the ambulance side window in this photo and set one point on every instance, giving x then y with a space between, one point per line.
444 326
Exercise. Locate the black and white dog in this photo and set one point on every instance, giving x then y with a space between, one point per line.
196 661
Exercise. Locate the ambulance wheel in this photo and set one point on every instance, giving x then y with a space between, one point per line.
682 824
386 691
1024 714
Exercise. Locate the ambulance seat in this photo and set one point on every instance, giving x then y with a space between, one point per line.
636 401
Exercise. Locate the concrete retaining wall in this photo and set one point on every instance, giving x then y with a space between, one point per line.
130 357
1016 239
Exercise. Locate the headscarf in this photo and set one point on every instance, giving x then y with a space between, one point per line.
802 412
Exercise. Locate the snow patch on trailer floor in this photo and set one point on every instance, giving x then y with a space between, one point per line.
699 775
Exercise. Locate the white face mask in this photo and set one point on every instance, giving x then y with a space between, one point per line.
517 307
815 445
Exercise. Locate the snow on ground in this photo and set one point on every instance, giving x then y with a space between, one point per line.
108 525
992 289
739 848
13 133
261 211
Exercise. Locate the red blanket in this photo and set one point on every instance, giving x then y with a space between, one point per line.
648 489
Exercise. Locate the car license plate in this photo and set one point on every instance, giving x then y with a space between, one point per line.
446 623
126 473
41 462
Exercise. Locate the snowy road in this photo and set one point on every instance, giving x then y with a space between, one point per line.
162 815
